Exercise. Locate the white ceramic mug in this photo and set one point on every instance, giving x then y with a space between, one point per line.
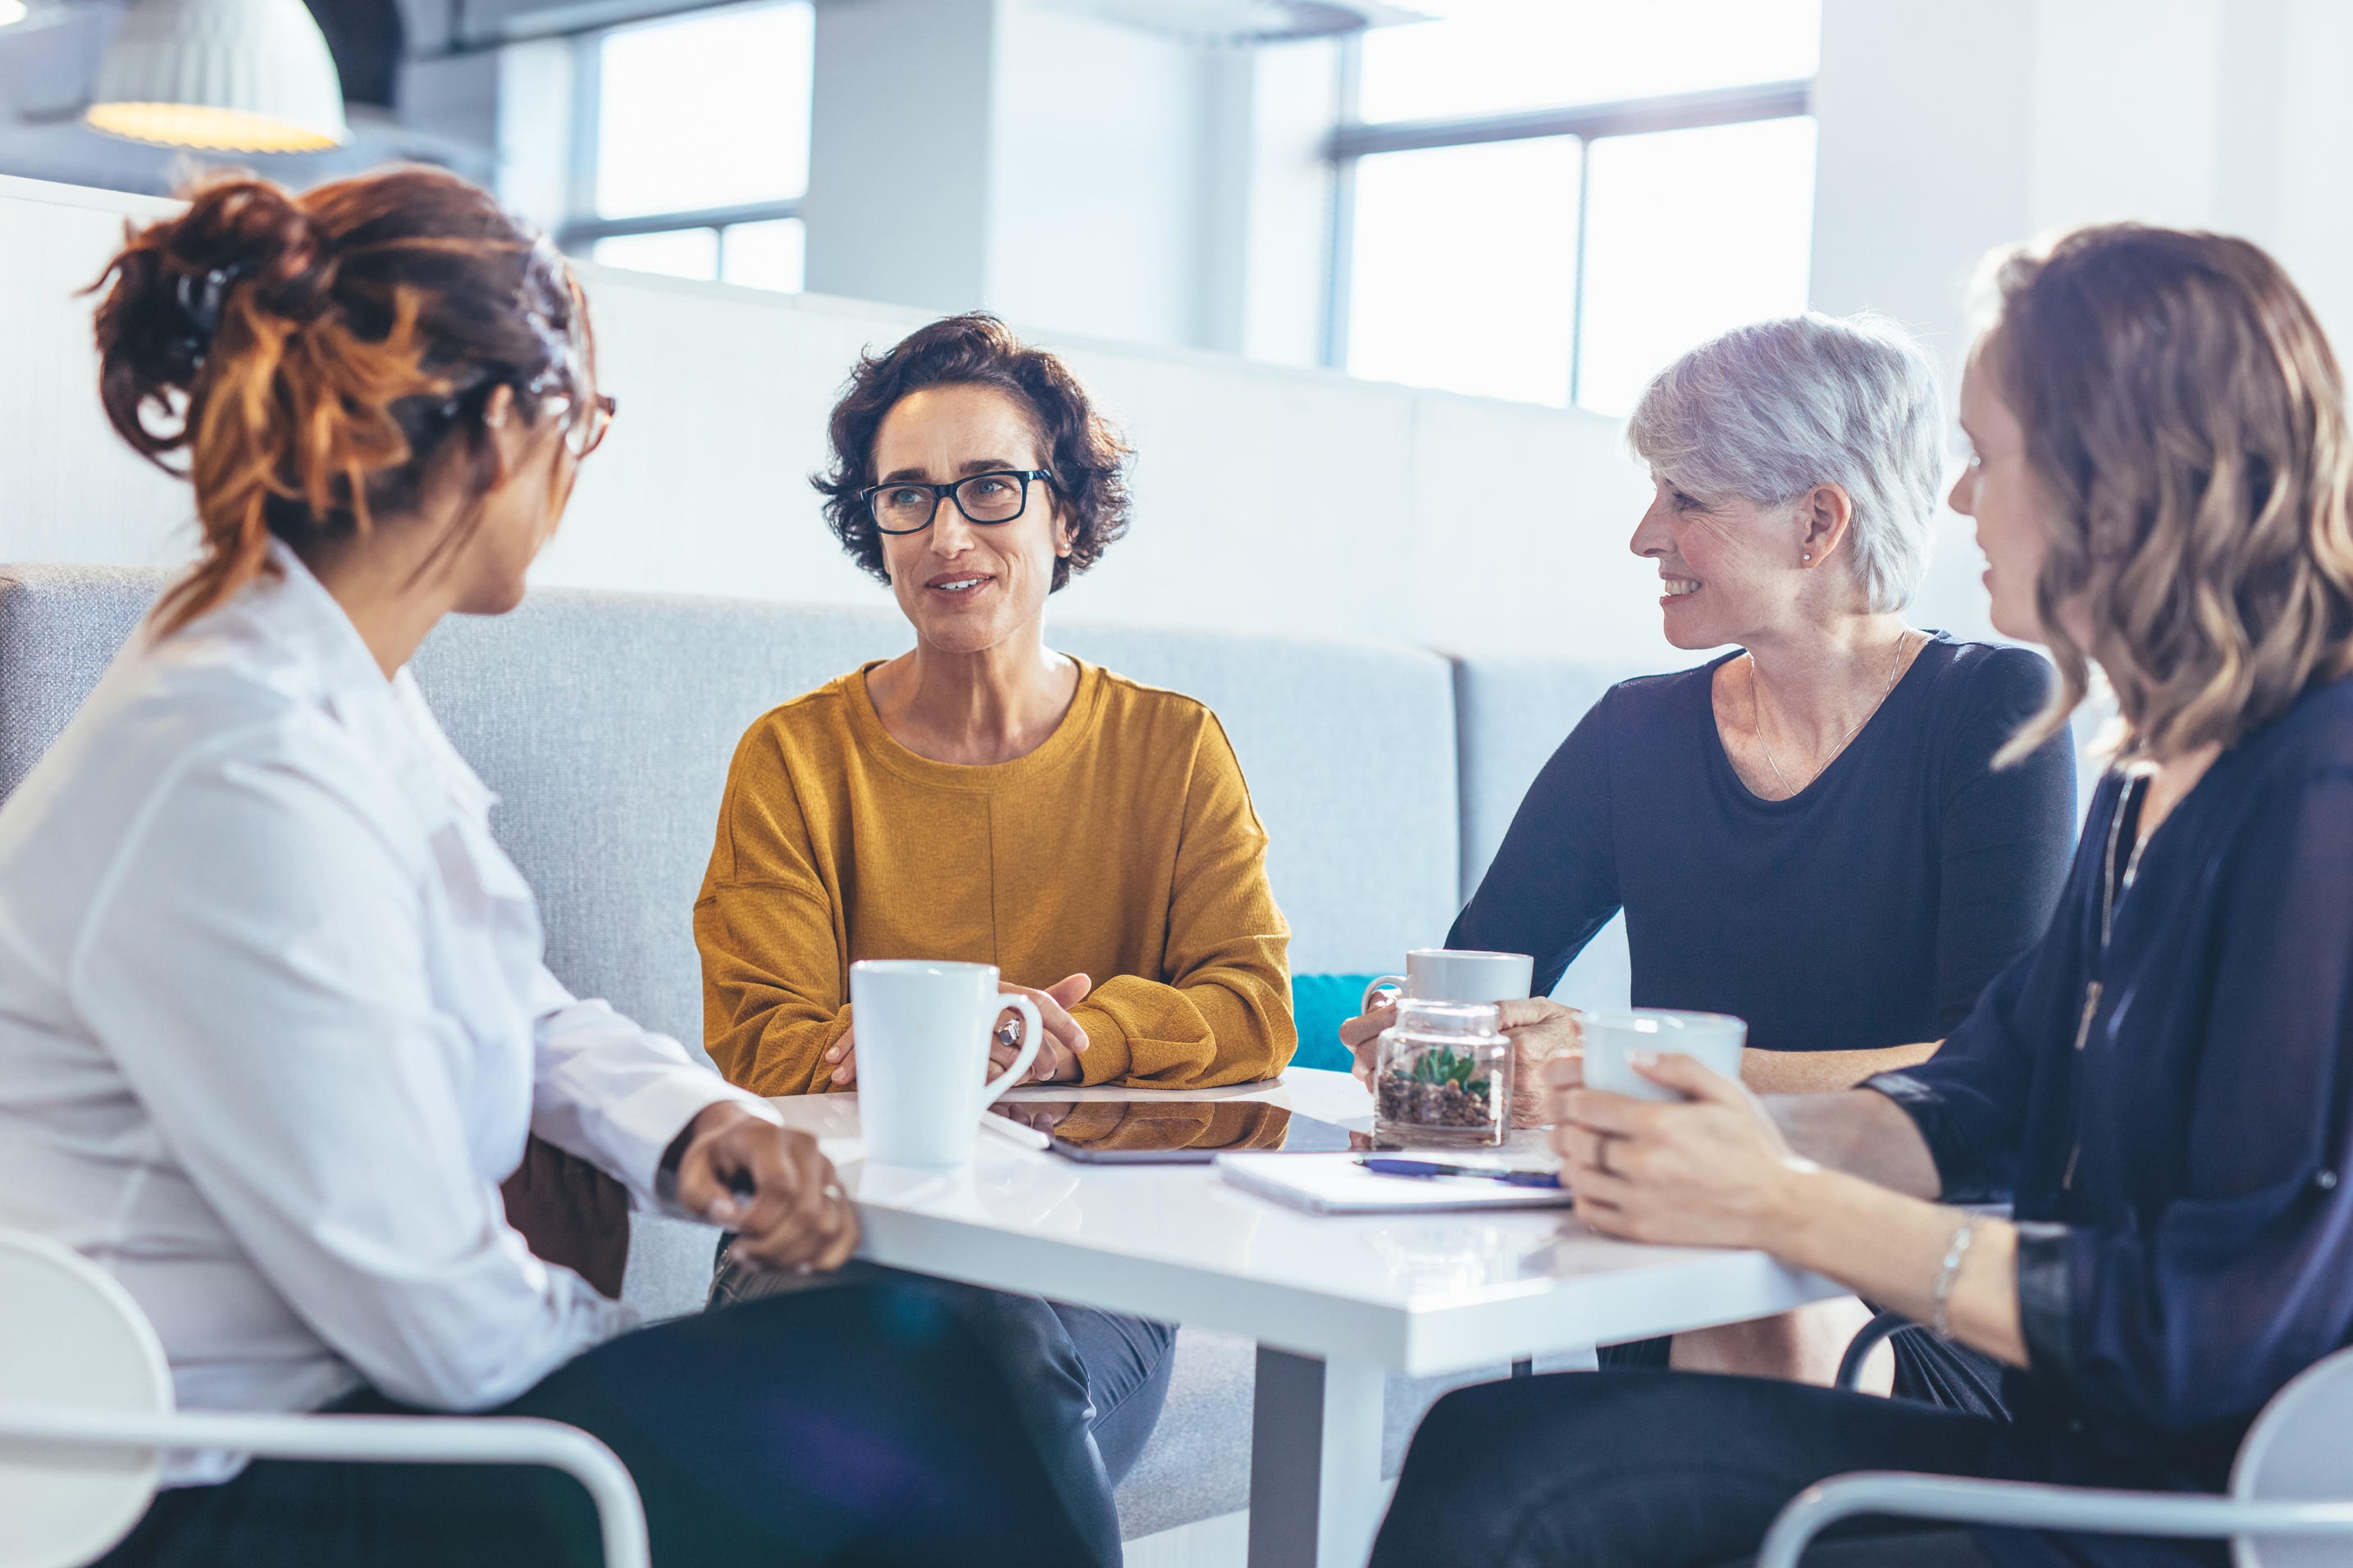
1712 1039
1458 974
923 1032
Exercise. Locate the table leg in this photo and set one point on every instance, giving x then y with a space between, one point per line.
1316 1461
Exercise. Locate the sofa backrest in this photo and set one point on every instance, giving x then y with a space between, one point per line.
606 722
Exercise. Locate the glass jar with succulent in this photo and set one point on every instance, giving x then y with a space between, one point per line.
1443 1078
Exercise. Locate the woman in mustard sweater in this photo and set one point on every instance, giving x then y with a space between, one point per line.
983 798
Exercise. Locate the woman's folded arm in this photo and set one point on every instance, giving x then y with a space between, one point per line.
770 938
1223 1015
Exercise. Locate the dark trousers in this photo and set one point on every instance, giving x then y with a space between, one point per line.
1644 1469
858 1426
1071 1369
1930 1370
1104 1371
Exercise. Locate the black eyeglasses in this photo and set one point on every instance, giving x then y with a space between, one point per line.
908 506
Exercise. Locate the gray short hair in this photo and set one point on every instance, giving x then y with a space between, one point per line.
1768 411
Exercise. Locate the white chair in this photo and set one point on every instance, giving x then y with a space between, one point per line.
86 1402
2290 1503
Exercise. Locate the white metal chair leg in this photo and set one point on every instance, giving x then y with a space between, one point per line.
2030 1505
401 1439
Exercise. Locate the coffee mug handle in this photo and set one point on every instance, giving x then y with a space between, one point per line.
1033 1035
1381 982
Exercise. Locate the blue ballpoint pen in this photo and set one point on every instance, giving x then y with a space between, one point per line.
1424 1169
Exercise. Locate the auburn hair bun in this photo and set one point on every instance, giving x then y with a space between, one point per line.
314 354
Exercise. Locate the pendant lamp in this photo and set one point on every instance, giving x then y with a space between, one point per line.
240 76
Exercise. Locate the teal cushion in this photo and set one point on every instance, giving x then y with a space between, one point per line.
1320 1004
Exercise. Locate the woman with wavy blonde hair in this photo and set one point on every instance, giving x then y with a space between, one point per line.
2162 1088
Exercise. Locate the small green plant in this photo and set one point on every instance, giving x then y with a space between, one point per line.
1446 1065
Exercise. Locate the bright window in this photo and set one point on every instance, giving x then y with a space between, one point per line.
1569 253
679 252
1689 232
1465 268
700 145
766 255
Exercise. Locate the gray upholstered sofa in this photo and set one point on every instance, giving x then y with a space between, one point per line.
1386 776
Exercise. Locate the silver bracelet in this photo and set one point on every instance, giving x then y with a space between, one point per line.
1941 1321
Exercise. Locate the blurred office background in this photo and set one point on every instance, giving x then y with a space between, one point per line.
1373 284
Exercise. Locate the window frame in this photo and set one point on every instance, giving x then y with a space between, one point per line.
1352 139
584 226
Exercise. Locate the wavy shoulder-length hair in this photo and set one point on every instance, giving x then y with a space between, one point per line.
2185 412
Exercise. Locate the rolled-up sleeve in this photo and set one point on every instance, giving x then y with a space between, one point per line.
255 965
1968 1101
616 1093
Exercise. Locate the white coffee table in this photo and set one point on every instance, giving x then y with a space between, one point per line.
1335 1303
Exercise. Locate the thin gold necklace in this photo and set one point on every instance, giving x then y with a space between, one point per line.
1757 716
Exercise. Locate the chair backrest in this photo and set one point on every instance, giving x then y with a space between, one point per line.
69 1335
2300 1449
606 722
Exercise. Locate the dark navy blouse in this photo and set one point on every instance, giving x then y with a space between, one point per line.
1869 910
2172 1101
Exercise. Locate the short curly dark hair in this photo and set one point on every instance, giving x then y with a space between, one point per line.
1083 451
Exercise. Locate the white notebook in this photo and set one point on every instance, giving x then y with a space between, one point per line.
1335 1184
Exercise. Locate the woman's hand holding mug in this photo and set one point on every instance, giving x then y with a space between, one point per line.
1057 1053
1541 1031
1709 1168
1362 1033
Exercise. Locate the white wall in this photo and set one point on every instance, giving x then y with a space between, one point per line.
1950 129
1080 175
1267 498
1099 178
901 152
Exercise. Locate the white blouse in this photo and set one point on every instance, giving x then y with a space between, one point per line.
274 1025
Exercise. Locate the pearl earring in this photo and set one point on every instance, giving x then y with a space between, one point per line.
1809 555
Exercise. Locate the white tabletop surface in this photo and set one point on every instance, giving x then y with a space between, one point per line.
1421 1294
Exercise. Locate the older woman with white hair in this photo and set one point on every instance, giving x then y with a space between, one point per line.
1808 832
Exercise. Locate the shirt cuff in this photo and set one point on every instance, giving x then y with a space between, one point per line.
1940 1130
2042 1297
651 1117
1106 1058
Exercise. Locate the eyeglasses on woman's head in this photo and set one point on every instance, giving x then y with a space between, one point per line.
585 421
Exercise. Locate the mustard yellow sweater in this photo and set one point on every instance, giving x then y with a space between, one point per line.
1126 848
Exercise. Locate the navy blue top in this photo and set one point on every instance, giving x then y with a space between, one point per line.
1868 910
2189 1157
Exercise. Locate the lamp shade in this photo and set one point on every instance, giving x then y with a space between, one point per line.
243 75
